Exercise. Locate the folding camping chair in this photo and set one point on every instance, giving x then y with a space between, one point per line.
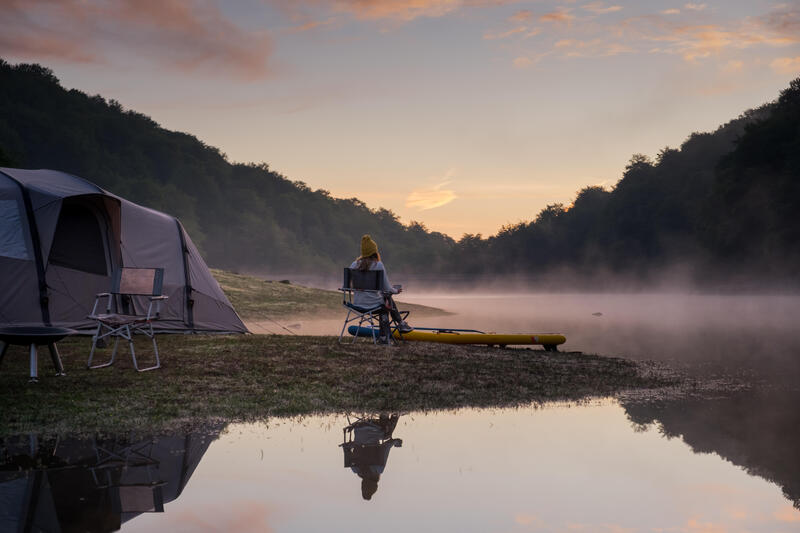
368 281
124 322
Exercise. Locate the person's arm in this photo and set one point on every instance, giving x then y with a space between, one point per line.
386 286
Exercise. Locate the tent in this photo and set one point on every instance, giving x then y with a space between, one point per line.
62 237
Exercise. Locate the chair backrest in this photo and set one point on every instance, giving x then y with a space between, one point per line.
138 281
362 280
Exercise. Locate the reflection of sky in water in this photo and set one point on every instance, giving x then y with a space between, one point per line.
558 468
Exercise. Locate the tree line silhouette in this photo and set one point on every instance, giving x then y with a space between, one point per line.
723 203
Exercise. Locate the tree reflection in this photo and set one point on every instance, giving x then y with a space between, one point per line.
92 485
756 430
366 445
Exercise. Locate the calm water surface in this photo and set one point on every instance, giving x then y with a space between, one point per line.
598 466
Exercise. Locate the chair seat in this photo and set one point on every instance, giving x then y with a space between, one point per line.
363 309
118 319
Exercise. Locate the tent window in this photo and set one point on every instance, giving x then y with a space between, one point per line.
78 242
12 238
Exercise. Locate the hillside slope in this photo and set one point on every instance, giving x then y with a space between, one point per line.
243 217
722 204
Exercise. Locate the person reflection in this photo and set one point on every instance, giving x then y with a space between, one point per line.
367 443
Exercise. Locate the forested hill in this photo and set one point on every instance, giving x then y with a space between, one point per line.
724 202
241 216
723 207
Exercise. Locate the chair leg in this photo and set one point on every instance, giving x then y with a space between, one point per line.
3 348
56 359
34 365
97 336
346 319
368 319
152 336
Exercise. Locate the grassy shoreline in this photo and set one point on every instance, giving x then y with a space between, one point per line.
216 379
256 377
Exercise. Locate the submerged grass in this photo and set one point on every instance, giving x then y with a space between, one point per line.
254 377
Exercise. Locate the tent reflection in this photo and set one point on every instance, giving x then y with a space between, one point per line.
92 485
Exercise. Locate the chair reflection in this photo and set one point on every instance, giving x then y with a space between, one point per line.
366 445
93 484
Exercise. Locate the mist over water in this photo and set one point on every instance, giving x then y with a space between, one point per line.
756 334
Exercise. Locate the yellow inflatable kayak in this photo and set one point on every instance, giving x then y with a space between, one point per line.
461 336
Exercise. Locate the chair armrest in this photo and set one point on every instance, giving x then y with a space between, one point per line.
97 301
157 301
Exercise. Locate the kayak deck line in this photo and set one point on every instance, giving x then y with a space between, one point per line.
454 336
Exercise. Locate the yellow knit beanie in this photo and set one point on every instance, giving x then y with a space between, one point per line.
368 246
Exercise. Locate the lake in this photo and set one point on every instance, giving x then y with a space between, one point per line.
598 466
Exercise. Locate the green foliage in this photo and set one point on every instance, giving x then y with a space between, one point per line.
726 199
240 216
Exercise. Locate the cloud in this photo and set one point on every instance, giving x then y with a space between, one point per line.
530 520
734 65
695 7
786 65
560 16
598 9
593 48
504 34
521 16
694 42
672 11
431 197
522 62
397 10
787 513
181 34
664 34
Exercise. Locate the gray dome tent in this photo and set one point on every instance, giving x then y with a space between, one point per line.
62 237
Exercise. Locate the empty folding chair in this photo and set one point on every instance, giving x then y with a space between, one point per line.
120 319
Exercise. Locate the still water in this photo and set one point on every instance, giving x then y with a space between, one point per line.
686 465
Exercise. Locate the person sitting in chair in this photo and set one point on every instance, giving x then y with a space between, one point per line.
370 259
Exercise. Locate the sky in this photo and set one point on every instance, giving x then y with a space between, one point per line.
464 115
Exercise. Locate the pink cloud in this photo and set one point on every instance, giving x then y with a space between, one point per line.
505 34
599 9
521 16
189 36
559 16
397 10
786 65
592 48
787 513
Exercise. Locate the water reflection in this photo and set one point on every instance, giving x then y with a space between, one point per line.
92 484
366 446
758 431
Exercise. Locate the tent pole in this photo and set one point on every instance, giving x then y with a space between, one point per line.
37 252
189 301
